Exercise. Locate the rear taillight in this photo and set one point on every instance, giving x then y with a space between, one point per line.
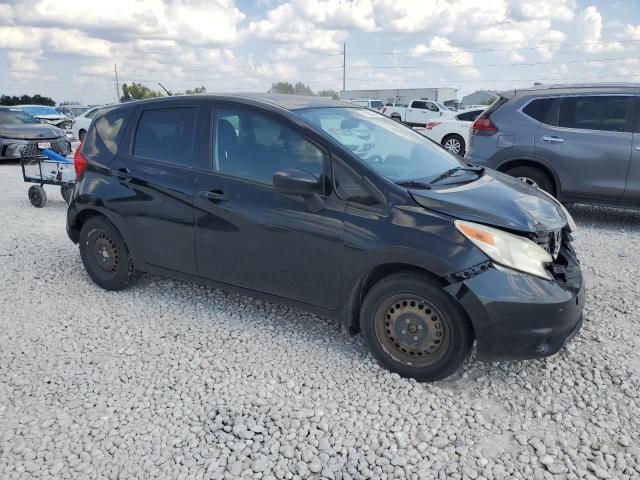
483 126
79 162
430 125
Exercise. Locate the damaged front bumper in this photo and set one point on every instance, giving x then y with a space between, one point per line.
518 316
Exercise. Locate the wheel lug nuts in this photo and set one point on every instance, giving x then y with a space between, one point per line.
419 327
407 321
415 337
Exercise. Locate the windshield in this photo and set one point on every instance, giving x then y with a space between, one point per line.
12 117
376 104
40 110
78 110
393 150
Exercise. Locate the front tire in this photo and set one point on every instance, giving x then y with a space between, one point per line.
105 255
414 328
455 144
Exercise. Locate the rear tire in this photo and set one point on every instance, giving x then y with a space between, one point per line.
533 176
37 196
66 191
414 328
105 255
454 143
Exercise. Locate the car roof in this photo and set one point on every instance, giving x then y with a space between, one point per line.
560 88
287 102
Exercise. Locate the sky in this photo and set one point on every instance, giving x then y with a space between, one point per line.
67 49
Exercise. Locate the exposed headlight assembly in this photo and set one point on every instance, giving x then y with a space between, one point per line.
506 249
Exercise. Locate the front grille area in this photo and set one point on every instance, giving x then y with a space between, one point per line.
61 147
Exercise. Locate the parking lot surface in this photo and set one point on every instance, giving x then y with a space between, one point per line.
174 380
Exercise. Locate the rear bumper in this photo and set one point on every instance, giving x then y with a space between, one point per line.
517 316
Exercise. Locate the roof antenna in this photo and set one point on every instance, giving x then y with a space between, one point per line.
168 92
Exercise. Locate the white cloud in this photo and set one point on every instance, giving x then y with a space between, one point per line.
338 14
196 22
53 39
542 9
589 33
283 24
631 32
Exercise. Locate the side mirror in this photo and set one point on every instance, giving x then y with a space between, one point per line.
295 181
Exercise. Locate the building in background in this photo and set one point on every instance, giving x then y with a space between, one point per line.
402 96
479 97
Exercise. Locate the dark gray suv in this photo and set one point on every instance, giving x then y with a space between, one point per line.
580 143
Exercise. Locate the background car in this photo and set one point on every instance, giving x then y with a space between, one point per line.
451 133
22 135
80 124
418 112
72 111
48 115
372 104
580 143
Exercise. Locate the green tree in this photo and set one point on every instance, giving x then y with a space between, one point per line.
196 90
302 89
37 99
282 87
329 93
137 91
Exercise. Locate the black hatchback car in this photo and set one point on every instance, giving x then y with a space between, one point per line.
334 209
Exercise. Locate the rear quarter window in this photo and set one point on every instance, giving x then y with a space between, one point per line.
105 134
540 110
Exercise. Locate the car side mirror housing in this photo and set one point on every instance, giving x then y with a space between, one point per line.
296 181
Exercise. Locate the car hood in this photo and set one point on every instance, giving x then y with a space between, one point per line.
30 131
496 199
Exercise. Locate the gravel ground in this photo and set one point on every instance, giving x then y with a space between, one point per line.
173 380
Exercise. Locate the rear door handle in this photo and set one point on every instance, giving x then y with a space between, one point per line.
553 139
121 173
215 194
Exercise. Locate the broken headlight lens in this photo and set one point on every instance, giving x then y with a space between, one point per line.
512 251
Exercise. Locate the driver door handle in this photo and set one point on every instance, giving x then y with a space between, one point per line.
215 194
553 139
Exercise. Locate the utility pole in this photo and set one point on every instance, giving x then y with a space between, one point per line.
115 70
344 66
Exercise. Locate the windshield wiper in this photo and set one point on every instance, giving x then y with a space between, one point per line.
414 184
451 171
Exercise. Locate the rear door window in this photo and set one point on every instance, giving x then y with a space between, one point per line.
166 134
598 112
419 104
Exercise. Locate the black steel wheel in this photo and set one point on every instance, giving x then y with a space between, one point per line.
411 330
414 328
66 191
105 255
37 196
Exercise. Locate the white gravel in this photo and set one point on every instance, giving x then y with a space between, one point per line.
173 380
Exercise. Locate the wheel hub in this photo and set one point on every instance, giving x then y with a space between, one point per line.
106 253
413 329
